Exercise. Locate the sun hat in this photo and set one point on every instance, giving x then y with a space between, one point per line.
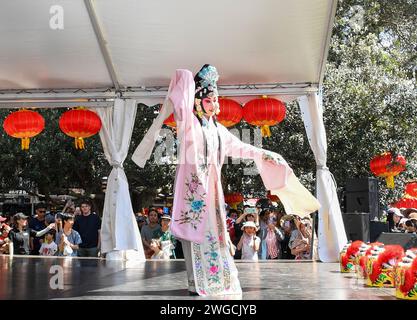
249 224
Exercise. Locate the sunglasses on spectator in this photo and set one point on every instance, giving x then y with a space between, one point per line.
43 211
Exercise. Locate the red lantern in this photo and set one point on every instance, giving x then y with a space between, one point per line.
80 123
406 202
411 189
264 112
230 112
385 166
272 197
233 199
24 124
170 121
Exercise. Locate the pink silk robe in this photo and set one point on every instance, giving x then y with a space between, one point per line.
198 213
192 194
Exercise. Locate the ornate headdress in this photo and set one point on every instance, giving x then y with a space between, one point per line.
206 81
205 85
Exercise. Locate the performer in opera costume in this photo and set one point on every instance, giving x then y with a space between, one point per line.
198 214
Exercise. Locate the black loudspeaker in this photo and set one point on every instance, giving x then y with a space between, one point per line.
405 240
361 195
376 228
357 226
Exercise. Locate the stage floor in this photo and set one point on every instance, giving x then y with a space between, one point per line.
30 278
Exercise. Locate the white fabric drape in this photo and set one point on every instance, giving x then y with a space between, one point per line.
144 151
120 237
331 230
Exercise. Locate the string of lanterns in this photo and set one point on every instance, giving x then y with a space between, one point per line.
81 123
262 112
78 123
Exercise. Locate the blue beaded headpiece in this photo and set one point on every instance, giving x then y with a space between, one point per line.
206 81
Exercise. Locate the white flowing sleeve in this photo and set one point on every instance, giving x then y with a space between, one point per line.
144 150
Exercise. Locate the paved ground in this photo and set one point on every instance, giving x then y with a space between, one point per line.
29 278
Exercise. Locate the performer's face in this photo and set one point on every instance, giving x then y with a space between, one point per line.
210 105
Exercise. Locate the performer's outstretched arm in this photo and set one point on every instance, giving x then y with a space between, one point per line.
237 149
276 174
180 100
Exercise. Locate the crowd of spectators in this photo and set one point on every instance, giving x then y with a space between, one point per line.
256 233
404 220
72 232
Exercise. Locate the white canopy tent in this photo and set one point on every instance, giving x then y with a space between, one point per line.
56 53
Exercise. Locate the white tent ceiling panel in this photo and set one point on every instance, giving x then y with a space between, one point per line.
263 41
251 42
33 55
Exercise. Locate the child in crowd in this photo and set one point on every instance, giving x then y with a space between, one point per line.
4 239
410 226
48 247
159 252
300 240
249 243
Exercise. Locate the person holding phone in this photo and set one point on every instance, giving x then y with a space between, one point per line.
249 214
68 239
20 235
271 238
249 243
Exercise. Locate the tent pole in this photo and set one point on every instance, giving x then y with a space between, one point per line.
325 52
102 43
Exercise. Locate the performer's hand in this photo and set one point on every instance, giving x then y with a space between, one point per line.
273 157
267 157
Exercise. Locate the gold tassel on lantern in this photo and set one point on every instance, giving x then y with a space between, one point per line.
25 143
390 182
265 131
79 143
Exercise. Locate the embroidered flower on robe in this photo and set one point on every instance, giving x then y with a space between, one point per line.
193 186
213 261
214 255
214 270
198 265
195 201
197 205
